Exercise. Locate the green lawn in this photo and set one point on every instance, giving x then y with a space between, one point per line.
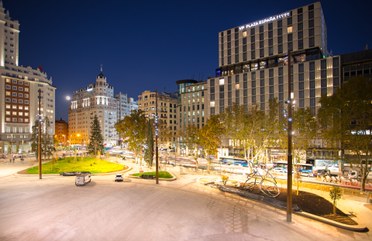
77 164
162 174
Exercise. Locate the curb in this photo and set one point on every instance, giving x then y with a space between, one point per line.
354 228
162 179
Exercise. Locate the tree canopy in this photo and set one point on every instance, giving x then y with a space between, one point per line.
133 131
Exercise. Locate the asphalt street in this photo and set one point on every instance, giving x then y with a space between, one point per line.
53 208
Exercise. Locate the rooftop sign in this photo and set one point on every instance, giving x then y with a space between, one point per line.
265 20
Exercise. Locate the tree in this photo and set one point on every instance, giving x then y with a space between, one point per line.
234 119
133 131
305 130
346 122
96 140
47 146
149 148
335 193
210 137
191 139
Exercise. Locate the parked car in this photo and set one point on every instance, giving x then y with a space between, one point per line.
279 170
119 178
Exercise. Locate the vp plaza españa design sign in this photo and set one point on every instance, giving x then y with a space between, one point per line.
265 20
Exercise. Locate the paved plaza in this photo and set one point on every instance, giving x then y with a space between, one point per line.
55 209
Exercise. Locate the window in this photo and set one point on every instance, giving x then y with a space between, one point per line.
222 81
7 93
289 29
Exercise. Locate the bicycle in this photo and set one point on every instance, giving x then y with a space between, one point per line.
265 182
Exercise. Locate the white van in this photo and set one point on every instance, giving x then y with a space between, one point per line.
82 178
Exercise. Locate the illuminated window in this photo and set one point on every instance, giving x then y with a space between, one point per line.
7 112
245 34
14 107
7 93
222 81
289 29
7 106
212 104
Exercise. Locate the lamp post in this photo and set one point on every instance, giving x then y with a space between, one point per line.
156 139
39 136
289 151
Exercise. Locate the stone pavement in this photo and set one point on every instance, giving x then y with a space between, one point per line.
184 209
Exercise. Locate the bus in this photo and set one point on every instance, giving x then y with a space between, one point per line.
234 161
304 169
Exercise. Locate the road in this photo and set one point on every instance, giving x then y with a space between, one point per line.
53 208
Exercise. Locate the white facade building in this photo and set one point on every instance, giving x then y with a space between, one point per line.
97 99
19 88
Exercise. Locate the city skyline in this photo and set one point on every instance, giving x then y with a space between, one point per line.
147 46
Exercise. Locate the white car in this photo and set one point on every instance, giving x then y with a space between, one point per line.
119 178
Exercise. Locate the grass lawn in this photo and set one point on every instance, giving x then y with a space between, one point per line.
77 164
162 174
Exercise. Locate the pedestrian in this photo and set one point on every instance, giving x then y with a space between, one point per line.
14 158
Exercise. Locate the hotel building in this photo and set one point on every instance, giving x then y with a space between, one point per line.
253 62
19 88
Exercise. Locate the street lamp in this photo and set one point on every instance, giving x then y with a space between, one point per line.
156 138
39 136
289 152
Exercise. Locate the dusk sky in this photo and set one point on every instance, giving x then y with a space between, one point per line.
148 45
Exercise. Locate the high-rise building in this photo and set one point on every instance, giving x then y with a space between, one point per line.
19 90
167 114
96 99
253 62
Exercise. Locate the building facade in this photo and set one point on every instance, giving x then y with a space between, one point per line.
167 114
61 132
125 105
253 62
19 88
96 99
357 64
191 104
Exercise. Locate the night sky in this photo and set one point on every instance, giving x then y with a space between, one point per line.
148 45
